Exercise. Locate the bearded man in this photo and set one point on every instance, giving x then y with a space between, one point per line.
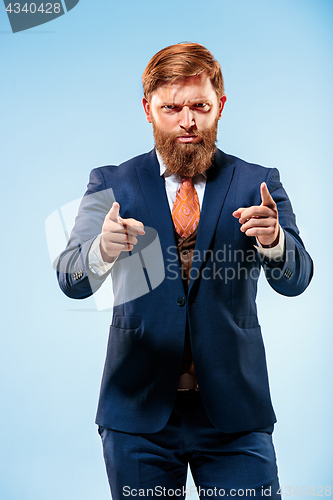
184 231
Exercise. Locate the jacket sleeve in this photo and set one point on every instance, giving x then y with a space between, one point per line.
74 277
291 276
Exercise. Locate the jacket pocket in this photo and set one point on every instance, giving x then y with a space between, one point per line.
126 322
247 321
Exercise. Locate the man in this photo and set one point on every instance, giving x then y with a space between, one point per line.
185 378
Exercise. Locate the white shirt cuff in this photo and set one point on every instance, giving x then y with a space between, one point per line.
275 253
95 261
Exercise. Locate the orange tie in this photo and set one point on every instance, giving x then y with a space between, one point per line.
186 208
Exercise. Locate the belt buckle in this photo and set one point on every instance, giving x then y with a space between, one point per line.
188 383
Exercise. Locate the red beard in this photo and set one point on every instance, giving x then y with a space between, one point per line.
186 159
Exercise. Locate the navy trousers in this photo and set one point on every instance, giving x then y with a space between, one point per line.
238 465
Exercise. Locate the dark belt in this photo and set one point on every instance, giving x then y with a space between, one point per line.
187 382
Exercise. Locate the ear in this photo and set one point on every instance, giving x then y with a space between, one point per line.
146 107
221 104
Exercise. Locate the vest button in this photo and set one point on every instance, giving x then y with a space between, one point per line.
181 301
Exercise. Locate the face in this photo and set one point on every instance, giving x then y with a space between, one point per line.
184 117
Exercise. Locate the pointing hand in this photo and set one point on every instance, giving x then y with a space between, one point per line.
118 235
261 221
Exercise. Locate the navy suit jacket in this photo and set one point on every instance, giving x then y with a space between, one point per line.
151 308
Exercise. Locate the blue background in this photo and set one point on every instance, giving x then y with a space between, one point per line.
71 101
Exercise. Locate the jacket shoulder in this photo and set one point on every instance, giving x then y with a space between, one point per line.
249 174
124 167
230 160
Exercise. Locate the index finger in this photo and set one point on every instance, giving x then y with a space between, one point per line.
266 198
113 213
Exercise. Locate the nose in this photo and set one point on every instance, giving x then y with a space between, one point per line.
186 118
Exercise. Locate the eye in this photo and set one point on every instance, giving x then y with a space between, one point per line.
201 105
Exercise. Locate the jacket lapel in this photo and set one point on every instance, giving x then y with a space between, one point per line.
153 189
219 178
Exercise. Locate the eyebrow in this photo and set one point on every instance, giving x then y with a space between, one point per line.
194 101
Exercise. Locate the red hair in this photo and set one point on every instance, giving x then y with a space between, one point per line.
181 61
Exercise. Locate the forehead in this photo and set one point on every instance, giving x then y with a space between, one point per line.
186 90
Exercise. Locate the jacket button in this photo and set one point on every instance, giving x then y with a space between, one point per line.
181 301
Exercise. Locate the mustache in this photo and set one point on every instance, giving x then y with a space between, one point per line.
170 138
174 135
